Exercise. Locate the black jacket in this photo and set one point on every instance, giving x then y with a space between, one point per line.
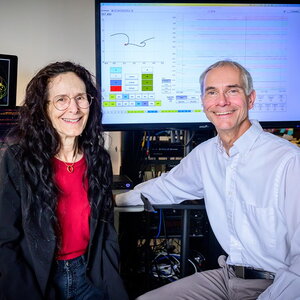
26 259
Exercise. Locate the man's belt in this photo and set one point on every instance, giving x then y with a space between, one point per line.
252 273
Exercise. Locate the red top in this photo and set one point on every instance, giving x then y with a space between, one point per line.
73 210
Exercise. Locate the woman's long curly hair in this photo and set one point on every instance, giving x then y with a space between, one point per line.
39 142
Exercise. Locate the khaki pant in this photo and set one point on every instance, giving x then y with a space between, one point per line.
215 284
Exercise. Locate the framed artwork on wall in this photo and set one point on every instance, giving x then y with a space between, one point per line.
8 80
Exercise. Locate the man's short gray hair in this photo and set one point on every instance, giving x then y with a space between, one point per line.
245 75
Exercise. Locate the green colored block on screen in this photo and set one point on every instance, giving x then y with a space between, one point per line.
109 104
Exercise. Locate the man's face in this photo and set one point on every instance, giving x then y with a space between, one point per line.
225 102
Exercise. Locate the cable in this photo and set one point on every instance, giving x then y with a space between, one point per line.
163 262
167 266
148 145
190 140
143 140
159 226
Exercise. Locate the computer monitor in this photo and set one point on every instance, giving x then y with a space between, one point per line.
8 80
149 57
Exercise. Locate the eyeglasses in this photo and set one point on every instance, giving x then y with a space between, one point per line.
62 102
212 94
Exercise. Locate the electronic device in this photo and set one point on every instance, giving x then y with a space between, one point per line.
8 80
8 119
122 182
149 57
166 149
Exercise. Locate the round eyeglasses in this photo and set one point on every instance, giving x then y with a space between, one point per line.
62 102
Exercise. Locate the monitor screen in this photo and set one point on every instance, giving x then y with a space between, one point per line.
150 56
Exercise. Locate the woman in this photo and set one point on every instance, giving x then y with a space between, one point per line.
57 239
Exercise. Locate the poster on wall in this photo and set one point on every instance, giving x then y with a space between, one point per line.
8 80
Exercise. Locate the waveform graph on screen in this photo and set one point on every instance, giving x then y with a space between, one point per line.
127 41
128 48
134 38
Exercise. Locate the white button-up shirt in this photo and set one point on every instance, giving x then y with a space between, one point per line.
252 199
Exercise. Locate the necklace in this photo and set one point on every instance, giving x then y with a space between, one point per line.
70 167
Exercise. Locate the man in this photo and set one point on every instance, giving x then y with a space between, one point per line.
249 180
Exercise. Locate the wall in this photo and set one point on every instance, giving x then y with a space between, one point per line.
44 31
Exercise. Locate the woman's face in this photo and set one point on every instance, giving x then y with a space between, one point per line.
70 122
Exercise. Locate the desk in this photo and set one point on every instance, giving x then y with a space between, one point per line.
186 208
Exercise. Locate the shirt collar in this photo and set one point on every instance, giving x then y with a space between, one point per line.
245 142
